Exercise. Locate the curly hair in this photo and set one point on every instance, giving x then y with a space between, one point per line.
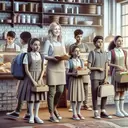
96 38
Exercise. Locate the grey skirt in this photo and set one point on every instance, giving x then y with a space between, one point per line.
24 90
75 89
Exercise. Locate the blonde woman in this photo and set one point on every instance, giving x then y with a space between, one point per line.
56 78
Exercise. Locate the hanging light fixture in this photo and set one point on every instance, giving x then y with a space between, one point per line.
110 37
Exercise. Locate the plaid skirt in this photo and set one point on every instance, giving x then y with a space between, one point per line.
118 86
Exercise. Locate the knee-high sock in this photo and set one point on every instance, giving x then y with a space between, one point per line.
79 107
74 108
31 106
117 105
36 111
122 106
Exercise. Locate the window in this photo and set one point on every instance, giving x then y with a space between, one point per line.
124 23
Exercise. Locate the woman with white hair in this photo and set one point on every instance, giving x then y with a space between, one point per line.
55 73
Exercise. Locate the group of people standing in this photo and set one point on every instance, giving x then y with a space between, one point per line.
77 85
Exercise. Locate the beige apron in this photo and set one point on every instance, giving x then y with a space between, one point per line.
10 49
56 70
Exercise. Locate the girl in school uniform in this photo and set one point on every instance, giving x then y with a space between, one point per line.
56 76
75 89
119 63
34 68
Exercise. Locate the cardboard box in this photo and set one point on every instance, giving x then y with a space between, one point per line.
42 88
121 77
83 72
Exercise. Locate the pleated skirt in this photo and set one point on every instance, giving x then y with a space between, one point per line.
75 89
25 93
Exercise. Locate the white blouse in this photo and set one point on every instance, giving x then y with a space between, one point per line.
119 53
76 63
34 55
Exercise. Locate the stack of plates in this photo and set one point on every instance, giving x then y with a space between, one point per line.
54 18
63 20
92 9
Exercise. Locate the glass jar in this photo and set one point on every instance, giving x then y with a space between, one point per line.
34 20
23 19
28 18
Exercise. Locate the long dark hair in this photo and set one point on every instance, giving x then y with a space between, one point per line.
30 42
112 43
72 50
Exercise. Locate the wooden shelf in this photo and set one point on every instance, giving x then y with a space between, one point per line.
27 12
35 1
74 3
70 14
7 11
36 24
77 25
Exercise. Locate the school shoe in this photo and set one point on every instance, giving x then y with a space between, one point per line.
26 117
54 119
96 115
86 107
105 115
38 120
75 117
119 114
81 117
57 115
13 114
70 110
31 120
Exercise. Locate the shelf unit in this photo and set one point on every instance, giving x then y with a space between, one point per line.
94 16
18 14
43 16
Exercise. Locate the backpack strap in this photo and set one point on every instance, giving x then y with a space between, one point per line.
93 57
112 56
70 64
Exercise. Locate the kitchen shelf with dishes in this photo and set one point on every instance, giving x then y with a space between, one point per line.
22 12
73 13
72 3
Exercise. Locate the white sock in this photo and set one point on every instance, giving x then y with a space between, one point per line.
103 110
31 106
37 105
78 107
96 111
74 108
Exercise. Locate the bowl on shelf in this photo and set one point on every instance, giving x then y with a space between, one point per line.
88 22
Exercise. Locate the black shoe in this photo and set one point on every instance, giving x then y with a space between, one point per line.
26 117
13 114
105 115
